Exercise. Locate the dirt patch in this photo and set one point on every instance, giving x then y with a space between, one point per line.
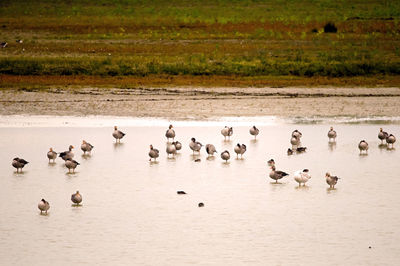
200 103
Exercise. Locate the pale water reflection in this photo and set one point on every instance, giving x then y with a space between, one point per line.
132 215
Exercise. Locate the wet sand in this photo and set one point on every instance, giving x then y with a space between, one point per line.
202 103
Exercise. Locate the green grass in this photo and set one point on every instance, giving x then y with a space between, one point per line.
237 38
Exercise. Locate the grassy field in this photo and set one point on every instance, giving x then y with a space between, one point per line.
204 43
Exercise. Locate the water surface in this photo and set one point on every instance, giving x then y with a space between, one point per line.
131 213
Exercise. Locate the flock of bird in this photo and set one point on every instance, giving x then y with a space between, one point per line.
300 176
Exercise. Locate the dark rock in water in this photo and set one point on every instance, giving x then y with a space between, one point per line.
289 151
181 192
201 204
197 160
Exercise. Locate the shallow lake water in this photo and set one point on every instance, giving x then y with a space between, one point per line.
132 215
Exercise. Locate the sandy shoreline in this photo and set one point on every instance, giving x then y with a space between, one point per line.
203 103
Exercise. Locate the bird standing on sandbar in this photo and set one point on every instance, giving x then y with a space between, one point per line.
67 154
43 206
240 149
302 176
19 163
52 155
86 147
225 155
118 134
76 198
170 134
195 145
363 146
153 153
227 132
331 180
276 175
254 131
210 149
332 135
71 164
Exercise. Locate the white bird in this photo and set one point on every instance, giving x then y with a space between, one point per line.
19 163
117 134
225 155
390 140
86 147
302 176
331 180
210 149
153 153
382 135
67 154
170 134
363 146
43 206
240 149
332 134
254 131
195 145
171 149
71 164
76 198
227 132
52 155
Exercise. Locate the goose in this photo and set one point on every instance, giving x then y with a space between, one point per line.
363 146
71 164
302 176
382 135
276 175
153 153
225 155
52 155
390 140
171 149
289 151
297 134
332 134
254 131
295 141
227 132
301 149
86 147
19 163
170 134
178 145
331 180
195 145
240 149
3 44
210 149
117 134
76 198
67 154
271 162
43 206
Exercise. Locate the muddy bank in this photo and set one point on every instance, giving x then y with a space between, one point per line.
199 103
